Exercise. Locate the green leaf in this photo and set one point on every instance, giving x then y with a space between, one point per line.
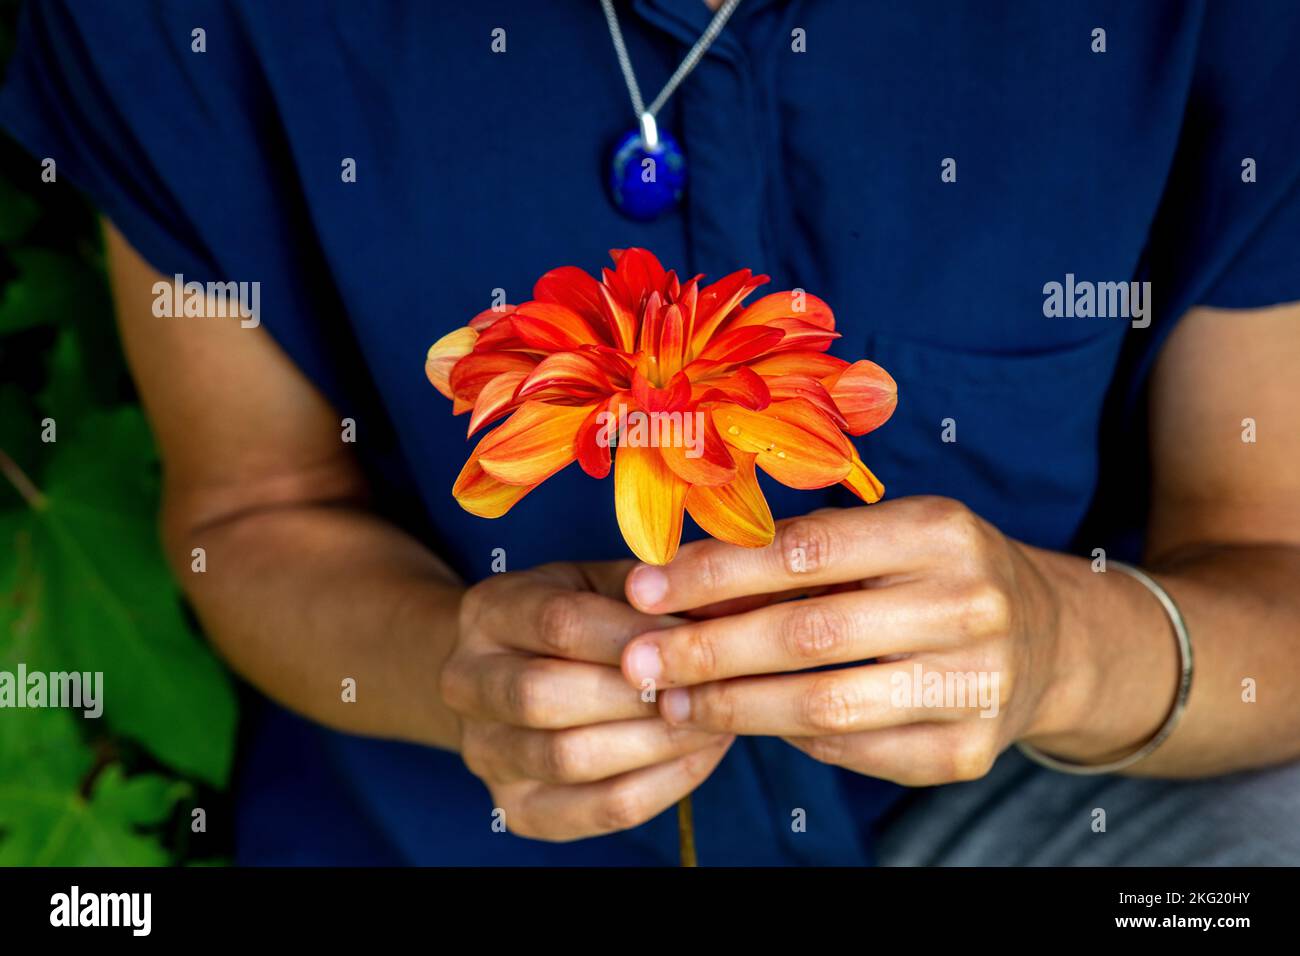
19 598
18 211
67 395
73 383
50 288
53 826
20 438
98 596
146 799
42 747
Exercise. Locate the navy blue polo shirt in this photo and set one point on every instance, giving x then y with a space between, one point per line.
927 168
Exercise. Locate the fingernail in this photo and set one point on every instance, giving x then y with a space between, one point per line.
644 662
676 705
648 585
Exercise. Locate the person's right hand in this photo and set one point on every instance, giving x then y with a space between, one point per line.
566 747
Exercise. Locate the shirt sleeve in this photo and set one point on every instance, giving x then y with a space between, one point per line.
95 91
1266 270
180 145
1227 230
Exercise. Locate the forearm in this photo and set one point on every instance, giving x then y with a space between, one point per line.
1118 669
299 599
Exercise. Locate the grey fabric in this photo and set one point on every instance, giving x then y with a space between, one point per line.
1024 815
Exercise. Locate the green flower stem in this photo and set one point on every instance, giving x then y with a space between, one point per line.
685 832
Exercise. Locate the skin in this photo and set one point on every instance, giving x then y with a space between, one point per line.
521 673
1087 662
305 586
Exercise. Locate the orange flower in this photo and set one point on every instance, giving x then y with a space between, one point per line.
694 390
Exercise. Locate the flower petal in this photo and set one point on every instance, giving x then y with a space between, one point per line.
794 304
794 442
443 356
490 316
672 342
638 272
572 373
687 301
863 483
475 370
783 387
801 335
716 302
742 344
552 327
596 435
735 512
696 452
620 317
866 395
571 287
482 495
649 499
533 443
673 397
500 336
616 365
672 286
651 322
496 399
743 386
816 364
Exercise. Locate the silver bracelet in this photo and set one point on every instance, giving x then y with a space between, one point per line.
1175 712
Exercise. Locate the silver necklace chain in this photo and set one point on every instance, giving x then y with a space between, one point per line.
644 114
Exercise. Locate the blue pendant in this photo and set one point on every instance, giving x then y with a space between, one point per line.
646 181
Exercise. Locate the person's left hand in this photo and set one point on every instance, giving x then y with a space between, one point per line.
921 585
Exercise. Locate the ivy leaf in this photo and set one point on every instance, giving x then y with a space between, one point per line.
97 596
42 747
146 799
50 288
67 394
51 826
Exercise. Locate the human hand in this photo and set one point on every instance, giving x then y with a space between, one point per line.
921 585
566 748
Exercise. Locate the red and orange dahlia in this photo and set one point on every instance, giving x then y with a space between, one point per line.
584 357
